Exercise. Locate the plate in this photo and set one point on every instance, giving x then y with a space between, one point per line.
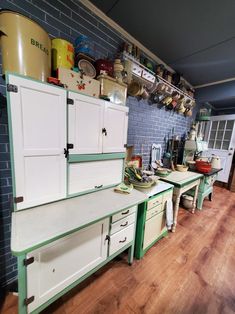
87 68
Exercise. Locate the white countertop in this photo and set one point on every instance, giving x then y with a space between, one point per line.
156 189
37 226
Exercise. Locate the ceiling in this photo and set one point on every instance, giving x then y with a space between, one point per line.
196 38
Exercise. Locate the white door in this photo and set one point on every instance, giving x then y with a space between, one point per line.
59 264
85 123
94 175
115 124
37 122
221 142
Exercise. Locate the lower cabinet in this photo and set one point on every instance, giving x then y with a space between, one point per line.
54 267
59 264
151 222
154 227
94 175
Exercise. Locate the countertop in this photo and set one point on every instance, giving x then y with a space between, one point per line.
181 178
37 226
156 189
213 171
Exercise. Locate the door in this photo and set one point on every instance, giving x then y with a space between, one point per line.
221 142
37 123
154 228
94 175
59 264
115 124
85 119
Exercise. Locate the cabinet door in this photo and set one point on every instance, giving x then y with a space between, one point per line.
153 228
64 261
37 123
115 124
85 123
86 176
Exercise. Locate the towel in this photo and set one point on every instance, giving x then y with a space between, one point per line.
169 214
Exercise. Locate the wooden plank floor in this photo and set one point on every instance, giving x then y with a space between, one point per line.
191 271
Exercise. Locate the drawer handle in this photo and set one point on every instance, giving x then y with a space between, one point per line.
125 213
124 225
98 186
122 241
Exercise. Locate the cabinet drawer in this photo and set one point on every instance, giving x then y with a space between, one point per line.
85 176
154 228
168 195
154 202
121 238
153 211
123 223
124 213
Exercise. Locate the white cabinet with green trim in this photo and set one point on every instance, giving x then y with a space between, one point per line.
37 127
60 263
96 126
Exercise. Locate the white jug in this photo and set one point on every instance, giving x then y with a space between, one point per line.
216 162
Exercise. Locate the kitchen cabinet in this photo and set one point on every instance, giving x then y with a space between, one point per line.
37 127
151 220
87 232
96 126
94 175
62 262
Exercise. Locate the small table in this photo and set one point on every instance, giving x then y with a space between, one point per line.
206 186
183 181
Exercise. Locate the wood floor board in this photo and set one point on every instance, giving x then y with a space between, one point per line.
189 272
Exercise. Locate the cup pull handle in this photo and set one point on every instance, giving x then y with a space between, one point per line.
124 225
125 213
122 241
98 186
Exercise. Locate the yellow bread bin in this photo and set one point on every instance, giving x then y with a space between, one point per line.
62 54
25 46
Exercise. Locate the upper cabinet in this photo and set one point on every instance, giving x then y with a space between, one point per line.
37 125
96 126
115 124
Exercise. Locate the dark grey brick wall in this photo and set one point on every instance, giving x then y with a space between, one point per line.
147 124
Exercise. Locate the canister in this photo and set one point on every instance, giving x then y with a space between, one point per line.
62 54
25 46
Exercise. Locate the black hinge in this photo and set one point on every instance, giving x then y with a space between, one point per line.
18 199
12 88
66 150
125 145
70 101
28 261
29 300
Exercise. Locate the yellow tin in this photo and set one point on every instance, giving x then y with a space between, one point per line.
62 54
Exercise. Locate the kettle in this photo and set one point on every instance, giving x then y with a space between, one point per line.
215 162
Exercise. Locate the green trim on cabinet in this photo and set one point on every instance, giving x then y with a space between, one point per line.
22 284
32 79
74 284
91 191
141 218
11 144
32 248
94 157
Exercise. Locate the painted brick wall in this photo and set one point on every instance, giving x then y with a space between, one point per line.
147 124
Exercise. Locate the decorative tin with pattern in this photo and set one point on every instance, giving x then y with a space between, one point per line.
78 82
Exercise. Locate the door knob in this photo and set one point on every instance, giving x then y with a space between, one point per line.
230 154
